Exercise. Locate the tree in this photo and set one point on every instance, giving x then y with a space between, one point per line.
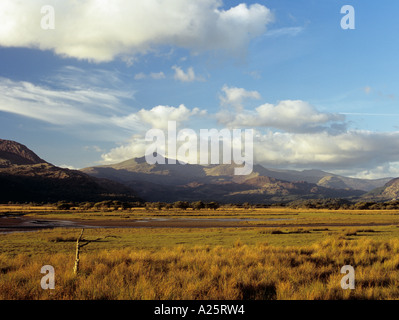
181 205
64 205
246 205
198 205
158 205
212 205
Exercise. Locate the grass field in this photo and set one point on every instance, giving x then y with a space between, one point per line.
299 259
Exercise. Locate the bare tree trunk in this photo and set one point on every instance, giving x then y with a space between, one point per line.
76 267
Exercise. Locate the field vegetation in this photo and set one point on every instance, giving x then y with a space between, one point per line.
300 258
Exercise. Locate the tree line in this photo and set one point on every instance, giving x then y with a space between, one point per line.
120 205
331 204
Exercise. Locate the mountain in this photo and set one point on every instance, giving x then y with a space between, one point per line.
25 177
190 182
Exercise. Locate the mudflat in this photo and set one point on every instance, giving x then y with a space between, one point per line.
22 223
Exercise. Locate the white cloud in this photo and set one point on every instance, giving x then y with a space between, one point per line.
350 150
134 149
93 148
255 74
81 108
289 31
287 115
102 30
59 107
153 75
140 76
361 154
380 171
65 166
234 97
157 75
293 116
188 76
159 116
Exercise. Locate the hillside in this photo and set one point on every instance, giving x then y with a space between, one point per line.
390 191
26 177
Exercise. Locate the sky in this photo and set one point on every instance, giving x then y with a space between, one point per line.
82 85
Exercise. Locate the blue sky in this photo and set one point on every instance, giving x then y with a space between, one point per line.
317 96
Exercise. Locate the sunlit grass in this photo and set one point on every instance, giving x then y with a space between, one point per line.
237 271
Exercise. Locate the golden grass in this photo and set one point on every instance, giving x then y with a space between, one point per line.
237 272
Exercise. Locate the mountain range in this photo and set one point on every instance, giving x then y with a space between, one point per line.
24 176
190 182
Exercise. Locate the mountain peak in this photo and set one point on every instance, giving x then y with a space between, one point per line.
14 153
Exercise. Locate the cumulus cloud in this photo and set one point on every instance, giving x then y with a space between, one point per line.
362 154
138 145
234 97
159 116
350 151
287 115
102 30
188 76
134 149
156 117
